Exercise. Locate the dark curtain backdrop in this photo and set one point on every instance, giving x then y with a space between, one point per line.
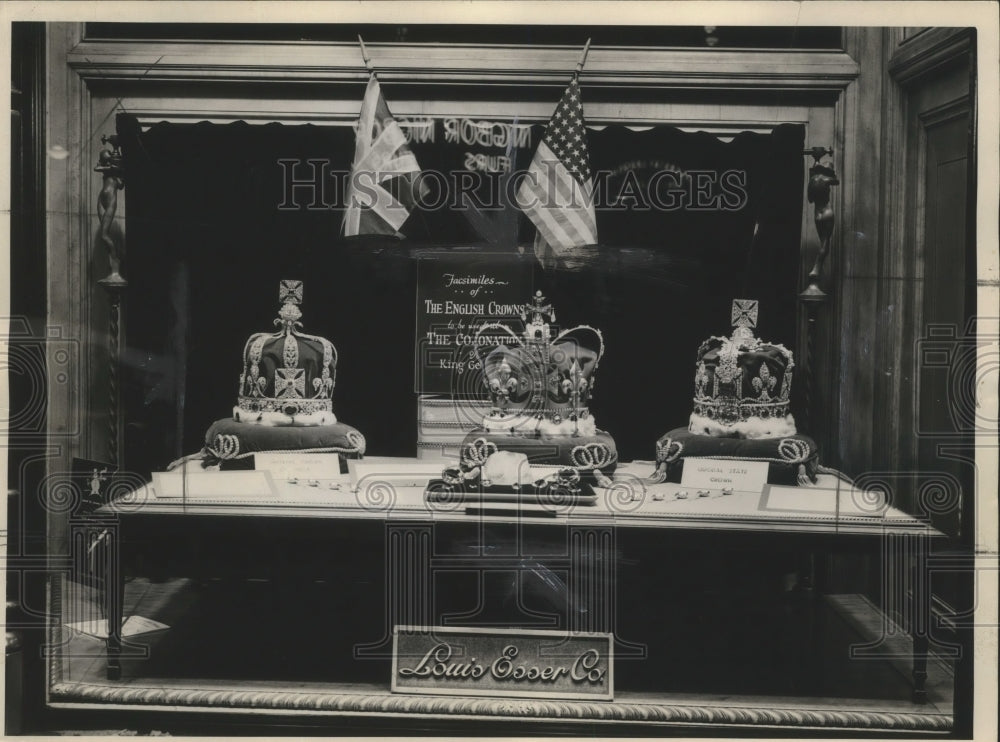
207 245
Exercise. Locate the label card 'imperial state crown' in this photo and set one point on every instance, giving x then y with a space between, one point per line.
502 662
716 474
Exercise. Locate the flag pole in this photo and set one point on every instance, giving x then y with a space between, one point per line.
583 59
364 56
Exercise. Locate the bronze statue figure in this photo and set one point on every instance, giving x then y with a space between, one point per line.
818 192
110 164
821 179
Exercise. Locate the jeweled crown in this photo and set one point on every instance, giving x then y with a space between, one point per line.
288 376
742 385
539 373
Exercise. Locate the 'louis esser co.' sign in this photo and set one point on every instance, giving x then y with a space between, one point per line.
494 662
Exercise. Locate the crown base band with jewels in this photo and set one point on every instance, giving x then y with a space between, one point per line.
725 412
304 412
540 425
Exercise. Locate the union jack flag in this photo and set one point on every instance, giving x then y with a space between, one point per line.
384 183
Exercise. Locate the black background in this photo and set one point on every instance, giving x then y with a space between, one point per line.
208 246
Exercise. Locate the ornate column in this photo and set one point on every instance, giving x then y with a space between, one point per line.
110 165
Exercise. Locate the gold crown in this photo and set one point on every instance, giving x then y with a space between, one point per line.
288 376
540 373
742 385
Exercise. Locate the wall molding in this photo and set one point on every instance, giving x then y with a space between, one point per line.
458 65
945 112
929 51
415 706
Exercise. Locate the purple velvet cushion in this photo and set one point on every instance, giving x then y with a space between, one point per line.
229 440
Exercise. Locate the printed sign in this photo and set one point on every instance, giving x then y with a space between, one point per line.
458 292
294 465
502 662
717 474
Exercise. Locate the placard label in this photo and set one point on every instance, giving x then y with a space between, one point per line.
288 465
458 292
717 474
502 662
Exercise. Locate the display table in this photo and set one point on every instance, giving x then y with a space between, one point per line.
221 525
831 507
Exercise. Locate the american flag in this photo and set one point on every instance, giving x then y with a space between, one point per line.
557 192
383 183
